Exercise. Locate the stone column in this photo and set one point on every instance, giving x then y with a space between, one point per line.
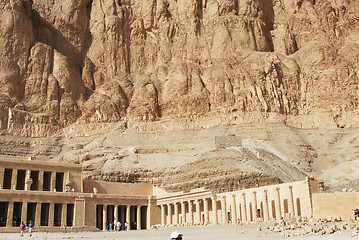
115 209
244 208
176 214
139 217
224 210
10 213
183 211
53 181
169 208
37 214
28 180
214 209
206 212
266 208
278 205
104 217
234 210
24 212
151 203
14 179
198 211
163 215
51 214
254 209
41 180
2 172
64 215
291 203
190 211
128 217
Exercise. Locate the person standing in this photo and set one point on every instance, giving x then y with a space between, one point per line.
126 225
118 224
30 226
22 229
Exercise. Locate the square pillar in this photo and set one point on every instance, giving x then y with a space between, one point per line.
163 215
206 212
244 206
2 172
138 217
254 209
116 216
104 217
150 210
28 180
41 180
14 179
51 214
64 215
53 181
169 214
24 212
37 214
266 207
183 212
190 211
198 211
224 210
128 217
291 203
214 209
234 209
10 213
176 214
278 205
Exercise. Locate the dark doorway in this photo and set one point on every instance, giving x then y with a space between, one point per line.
59 182
57 214
16 217
99 218
110 214
122 216
3 213
273 210
133 215
46 181
35 180
20 183
70 215
143 217
45 210
31 210
7 178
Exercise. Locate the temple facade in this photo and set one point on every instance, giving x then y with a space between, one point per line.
54 196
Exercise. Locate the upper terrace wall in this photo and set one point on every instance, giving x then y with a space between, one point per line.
133 189
327 205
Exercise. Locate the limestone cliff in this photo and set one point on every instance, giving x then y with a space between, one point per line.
97 61
136 68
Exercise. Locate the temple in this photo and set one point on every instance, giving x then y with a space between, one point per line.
55 196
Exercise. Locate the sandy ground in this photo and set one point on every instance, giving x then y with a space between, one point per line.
190 233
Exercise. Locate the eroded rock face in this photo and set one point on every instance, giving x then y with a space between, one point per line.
104 61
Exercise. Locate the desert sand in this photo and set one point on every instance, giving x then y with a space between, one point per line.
247 232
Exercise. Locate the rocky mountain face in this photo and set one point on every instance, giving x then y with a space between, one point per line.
75 68
97 61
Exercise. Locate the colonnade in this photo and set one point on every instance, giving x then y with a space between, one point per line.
260 204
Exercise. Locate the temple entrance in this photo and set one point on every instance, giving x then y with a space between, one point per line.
110 215
20 182
99 217
45 210
273 210
46 181
31 210
16 219
133 221
298 207
7 178
35 180
122 216
143 217
57 214
70 215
